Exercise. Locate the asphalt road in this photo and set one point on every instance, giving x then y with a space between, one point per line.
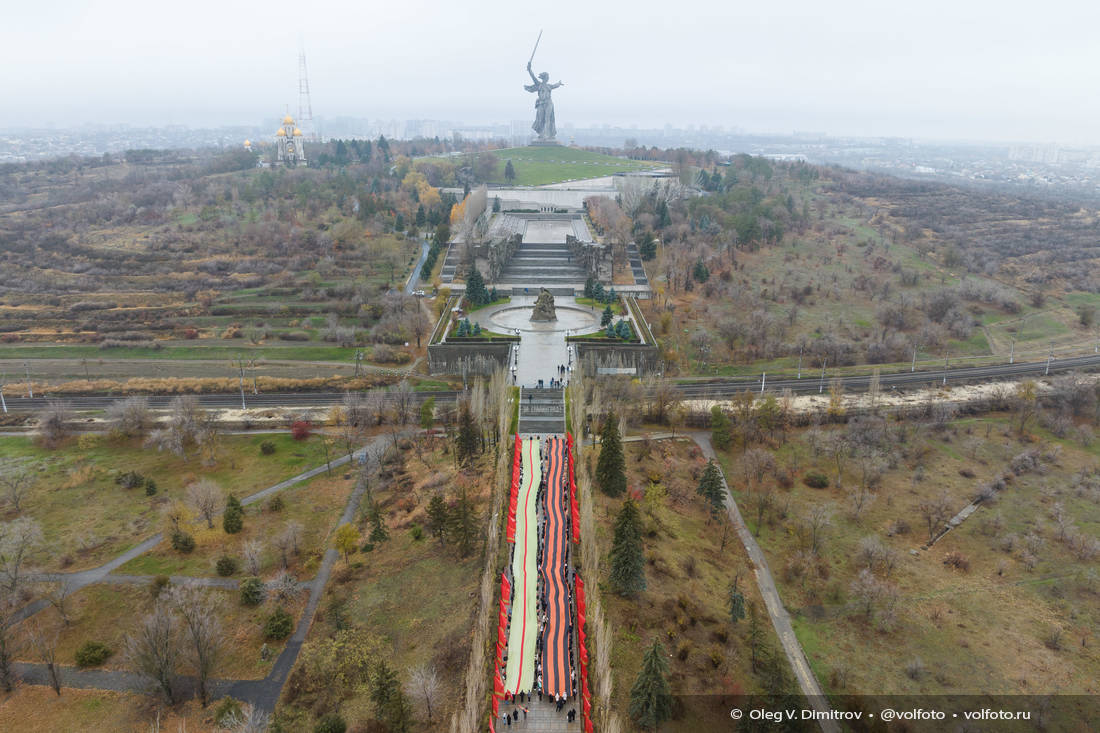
717 388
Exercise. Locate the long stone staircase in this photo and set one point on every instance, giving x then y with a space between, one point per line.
535 264
541 411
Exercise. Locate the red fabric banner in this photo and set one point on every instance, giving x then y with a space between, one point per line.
588 725
514 493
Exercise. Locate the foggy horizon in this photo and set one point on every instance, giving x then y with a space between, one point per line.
992 73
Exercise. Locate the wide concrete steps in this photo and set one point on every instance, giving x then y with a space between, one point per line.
542 410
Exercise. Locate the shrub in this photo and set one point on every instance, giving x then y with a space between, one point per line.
276 504
226 566
279 625
914 670
92 654
417 532
228 712
301 429
267 447
159 583
252 591
330 723
182 542
150 487
130 480
816 480
957 560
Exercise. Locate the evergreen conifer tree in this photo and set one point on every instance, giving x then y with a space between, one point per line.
736 604
437 518
475 287
720 434
605 320
710 488
627 556
611 466
233 516
462 525
650 697
468 437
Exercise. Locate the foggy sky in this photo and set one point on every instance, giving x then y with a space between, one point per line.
981 70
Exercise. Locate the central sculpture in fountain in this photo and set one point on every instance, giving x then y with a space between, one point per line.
544 307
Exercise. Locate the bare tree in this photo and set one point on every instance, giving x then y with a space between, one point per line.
154 649
253 556
189 427
207 499
44 642
16 482
255 721
355 413
756 463
284 586
423 684
935 512
403 401
869 592
375 406
288 541
10 643
816 521
202 632
54 423
130 417
18 539
58 597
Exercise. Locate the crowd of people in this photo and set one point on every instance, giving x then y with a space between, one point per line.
540 684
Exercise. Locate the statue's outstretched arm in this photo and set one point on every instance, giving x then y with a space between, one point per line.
559 84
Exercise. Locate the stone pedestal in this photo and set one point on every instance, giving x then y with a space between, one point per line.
545 143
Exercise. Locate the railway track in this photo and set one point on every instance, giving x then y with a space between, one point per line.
693 390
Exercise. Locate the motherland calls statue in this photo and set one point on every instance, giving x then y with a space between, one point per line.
544 106
544 307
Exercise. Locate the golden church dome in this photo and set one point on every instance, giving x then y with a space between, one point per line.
288 120
297 132
280 133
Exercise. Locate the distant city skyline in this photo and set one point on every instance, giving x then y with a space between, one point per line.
979 71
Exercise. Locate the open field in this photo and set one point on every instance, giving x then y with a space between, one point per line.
87 518
109 613
315 505
537 166
37 708
202 257
685 604
1004 604
850 269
